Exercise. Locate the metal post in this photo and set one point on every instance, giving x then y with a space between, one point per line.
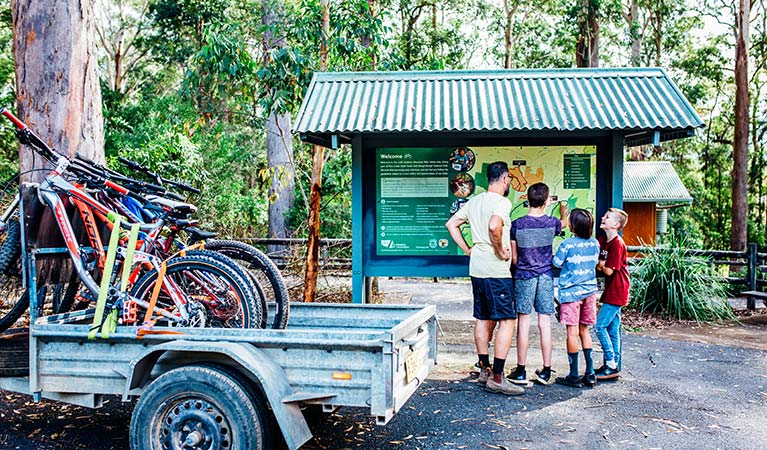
751 274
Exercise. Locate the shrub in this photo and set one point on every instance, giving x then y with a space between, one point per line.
667 281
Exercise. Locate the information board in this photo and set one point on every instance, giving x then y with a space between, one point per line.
418 189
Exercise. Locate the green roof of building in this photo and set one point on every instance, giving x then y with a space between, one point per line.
637 101
653 181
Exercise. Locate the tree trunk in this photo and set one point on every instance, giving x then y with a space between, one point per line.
587 45
632 20
315 196
738 231
279 142
507 33
57 84
366 40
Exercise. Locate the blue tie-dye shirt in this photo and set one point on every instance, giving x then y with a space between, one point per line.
578 259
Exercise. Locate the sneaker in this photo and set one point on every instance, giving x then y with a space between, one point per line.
606 373
504 387
570 381
518 376
589 379
544 376
484 374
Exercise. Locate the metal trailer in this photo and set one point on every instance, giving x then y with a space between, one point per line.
190 379
226 388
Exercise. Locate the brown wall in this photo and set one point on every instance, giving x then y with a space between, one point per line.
641 225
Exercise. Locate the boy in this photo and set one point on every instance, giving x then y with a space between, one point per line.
532 237
613 263
578 257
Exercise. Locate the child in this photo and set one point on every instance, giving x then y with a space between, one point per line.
532 237
578 257
612 262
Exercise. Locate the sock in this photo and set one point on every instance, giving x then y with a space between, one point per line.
546 370
498 366
611 364
589 361
572 358
520 368
484 361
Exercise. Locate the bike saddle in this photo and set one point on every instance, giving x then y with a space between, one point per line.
196 234
174 206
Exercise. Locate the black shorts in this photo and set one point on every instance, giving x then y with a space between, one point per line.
493 298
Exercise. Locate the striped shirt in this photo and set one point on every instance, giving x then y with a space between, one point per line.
534 236
578 259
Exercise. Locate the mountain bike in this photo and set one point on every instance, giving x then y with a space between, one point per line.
194 290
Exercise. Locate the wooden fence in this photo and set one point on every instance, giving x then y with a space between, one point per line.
335 255
754 279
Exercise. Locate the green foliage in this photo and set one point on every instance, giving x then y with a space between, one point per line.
220 158
336 203
667 281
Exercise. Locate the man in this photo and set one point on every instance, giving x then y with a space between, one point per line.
491 282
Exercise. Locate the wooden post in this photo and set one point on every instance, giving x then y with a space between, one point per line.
751 274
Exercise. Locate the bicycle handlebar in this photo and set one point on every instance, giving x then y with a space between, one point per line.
133 165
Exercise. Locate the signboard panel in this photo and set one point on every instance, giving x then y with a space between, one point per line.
418 189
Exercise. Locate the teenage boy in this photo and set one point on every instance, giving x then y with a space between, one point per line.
613 263
532 237
491 283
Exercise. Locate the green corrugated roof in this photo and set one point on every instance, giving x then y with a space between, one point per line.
634 100
652 181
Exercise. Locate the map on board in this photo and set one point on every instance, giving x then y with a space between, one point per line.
418 189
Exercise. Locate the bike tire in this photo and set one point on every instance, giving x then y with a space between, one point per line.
10 249
15 312
266 273
180 268
246 275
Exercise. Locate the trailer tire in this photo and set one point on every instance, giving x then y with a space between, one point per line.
14 354
198 407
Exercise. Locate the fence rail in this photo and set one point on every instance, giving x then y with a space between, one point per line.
755 262
335 255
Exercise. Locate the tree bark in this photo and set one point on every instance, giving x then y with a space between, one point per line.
279 142
315 196
632 20
509 12
57 84
738 230
587 45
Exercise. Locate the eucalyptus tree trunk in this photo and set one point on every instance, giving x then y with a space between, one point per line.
315 196
57 83
587 45
279 143
738 231
635 33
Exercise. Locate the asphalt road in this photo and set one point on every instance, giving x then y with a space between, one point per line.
673 395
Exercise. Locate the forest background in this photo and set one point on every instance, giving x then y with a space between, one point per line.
203 91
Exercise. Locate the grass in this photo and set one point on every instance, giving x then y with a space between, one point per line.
666 281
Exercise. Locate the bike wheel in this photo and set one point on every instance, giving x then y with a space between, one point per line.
251 281
209 286
14 298
265 272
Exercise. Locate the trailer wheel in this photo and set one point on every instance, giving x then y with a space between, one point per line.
195 407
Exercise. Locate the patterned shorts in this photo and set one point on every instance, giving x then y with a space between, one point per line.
538 292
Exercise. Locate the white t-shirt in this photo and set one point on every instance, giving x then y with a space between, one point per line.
478 211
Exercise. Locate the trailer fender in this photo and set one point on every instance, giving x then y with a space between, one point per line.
250 361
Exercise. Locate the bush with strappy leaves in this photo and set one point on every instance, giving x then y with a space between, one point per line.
666 280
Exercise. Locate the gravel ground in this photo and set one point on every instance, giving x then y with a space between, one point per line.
672 395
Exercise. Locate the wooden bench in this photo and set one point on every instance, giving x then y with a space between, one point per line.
752 296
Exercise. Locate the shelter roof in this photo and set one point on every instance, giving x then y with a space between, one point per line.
637 101
653 181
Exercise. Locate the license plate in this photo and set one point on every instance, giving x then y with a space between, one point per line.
411 366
